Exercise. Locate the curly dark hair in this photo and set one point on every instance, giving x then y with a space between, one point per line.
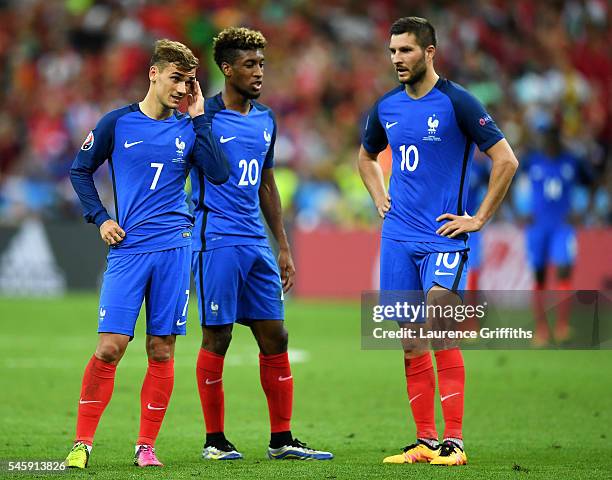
227 45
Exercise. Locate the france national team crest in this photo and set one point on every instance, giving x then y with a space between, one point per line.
267 137
432 127
89 141
180 150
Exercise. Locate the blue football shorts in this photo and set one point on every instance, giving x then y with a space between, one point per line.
161 279
416 266
554 244
237 284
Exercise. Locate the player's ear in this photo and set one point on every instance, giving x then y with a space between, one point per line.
226 68
430 51
153 73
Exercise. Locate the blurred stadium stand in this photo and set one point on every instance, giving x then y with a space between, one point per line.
534 64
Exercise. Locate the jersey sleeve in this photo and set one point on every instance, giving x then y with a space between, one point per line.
96 149
474 120
269 161
207 154
374 139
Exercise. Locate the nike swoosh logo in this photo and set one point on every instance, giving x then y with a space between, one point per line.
211 382
225 140
128 145
83 402
414 398
389 125
180 324
151 407
438 272
284 379
446 397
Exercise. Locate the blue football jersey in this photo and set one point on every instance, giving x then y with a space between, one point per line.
552 182
149 162
432 143
229 214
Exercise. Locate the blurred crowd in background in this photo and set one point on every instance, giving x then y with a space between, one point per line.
535 66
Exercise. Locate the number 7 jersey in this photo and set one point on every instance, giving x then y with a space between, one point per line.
229 214
432 144
149 162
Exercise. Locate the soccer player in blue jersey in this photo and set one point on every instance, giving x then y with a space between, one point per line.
236 275
431 125
553 175
150 148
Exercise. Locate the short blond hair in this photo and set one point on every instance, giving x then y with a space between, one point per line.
227 44
168 51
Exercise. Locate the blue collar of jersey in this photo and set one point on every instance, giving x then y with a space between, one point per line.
219 104
176 115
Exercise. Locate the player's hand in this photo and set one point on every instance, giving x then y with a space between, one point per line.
287 269
195 101
111 232
384 205
457 225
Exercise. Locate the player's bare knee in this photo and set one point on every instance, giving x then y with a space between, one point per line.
161 355
274 344
271 336
414 349
417 351
283 340
216 340
160 348
110 352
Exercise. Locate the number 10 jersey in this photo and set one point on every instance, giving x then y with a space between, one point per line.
432 144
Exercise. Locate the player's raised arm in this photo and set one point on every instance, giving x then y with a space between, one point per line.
207 154
95 150
373 142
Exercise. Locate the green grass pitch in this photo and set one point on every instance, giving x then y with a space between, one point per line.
528 414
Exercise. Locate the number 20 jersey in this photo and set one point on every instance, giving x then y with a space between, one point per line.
432 144
228 214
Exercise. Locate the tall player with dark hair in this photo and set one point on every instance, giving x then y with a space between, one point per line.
431 125
237 277
150 147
